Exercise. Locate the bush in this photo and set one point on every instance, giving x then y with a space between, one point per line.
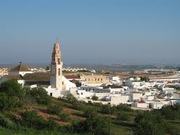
149 123
171 112
5 122
94 124
54 109
122 116
32 120
51 125
40 95
9 102
12 88
95 98
89 112
64 116
71 99
106 109
123 107
4 105
11 95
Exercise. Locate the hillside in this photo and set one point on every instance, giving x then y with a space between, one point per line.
33 112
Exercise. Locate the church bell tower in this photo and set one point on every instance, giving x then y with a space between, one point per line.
56 68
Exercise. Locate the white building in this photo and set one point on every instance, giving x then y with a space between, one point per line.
136 96
142 105
116 80
117 99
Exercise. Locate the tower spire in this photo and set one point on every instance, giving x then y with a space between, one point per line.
56 67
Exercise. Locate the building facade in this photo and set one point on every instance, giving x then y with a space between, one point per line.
94 79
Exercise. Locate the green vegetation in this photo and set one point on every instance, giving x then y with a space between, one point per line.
33 112
150 124
145 78
95 98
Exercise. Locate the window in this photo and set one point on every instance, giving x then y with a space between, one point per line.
59 71
58 60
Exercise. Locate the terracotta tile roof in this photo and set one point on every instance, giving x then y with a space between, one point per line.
20 68
17 77
37 76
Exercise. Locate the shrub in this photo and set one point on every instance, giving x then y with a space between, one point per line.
122 116
95 98
93 124
32 120
106 109
149 123
51 125
4 105
11 95
64 116
89 112
5 122
9 102
54 109
40 95
123 107
71 99
171 112
12 88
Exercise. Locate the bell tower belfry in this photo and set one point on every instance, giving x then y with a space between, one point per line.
56 68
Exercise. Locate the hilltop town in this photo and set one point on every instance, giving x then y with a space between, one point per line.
145 89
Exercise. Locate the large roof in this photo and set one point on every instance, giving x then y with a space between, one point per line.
10 77
41 76
20 68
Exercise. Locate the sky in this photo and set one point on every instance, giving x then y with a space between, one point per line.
90 31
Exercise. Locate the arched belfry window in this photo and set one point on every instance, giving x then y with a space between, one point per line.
58 60
59 71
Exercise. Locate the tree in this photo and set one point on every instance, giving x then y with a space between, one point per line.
6 122
12 88
149 123
171 112
78 83
123 107
54 109
32 120
122 116
95 98
106 109
93 124
40 95
47 68
11 95
145 78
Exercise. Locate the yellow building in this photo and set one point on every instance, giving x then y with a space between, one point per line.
94 79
